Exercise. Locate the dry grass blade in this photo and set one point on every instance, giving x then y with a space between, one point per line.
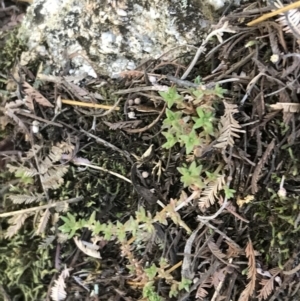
248 291
37 96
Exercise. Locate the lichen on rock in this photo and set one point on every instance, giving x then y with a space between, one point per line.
110 36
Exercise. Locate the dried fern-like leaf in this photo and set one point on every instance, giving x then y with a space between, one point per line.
37 96
43 222
209 194
123 124
275 271
47 242
34 150
29 103
10 113
260 165
291 68
215 250
45 165
219 276
286 107
267 288
229 128
290 20
87 248
201 291
22 170
53 179
248 291
58 292
55 154
14 104
16 222
66 148
62 207
274 43
232 250
26 199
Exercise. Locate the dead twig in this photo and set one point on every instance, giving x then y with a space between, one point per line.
149 125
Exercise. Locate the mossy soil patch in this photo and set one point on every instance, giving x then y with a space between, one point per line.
165 188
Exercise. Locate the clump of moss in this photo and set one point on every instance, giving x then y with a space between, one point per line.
25 270
11 48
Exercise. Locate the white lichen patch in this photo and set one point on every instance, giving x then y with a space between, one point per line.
110 36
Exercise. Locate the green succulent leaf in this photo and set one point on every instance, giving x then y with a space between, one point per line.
172 118
185 284
198 94
191 175
190 141
171 140
219 91
229 193
151 271
205 121
197 80
171 96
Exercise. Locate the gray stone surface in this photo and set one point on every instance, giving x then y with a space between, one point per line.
110 36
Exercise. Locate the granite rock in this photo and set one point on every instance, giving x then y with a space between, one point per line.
106 37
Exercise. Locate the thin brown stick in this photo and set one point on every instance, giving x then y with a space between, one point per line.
149 125
140 89
20 112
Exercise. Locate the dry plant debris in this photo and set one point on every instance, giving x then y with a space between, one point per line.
184 179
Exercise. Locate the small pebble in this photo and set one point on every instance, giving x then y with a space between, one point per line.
145 174
131 115
35 127
130 102
137 101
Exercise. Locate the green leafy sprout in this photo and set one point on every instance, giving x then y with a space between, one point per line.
186 130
